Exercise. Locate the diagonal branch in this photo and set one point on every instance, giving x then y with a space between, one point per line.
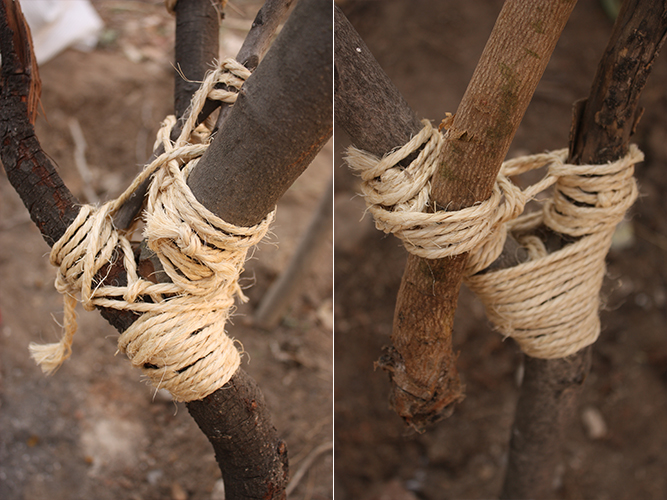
255 45
253 463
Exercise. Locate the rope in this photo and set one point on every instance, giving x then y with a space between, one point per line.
548 304
178 340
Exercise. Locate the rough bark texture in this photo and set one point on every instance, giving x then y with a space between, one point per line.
600 133
251 443
546 406
249 463
268 144
52 207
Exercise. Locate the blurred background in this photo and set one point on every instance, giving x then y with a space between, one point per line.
95 429
429 50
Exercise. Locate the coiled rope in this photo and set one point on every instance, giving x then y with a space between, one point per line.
179 339
548 304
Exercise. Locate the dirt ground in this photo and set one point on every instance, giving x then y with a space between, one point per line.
94 429
430 49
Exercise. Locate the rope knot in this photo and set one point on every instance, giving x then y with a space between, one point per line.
548 304
179 339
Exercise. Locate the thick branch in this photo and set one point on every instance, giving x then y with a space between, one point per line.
367 104
281 120
601 131
421 362
255 45
54 209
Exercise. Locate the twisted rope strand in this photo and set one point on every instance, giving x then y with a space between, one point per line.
548 304
179 340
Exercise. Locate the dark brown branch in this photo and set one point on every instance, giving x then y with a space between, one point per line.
253 49
253 466
600 133
258 39
281 120
306 39
51 205
367 104
197 45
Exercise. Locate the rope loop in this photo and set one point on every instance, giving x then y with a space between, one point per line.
548 304
179 339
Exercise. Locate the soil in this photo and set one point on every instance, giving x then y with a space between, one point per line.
94 429
430 49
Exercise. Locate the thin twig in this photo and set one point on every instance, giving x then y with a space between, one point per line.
283 291
306 464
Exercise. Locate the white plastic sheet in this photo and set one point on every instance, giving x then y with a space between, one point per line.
58 24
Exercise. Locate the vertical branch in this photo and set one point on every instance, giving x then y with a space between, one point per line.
517 52
600 133
196 47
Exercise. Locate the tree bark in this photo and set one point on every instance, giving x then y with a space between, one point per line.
367 104
196 47
259 453
255 45
601 131
421 361
240 178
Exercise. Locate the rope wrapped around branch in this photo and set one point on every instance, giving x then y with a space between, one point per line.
179 339
548 304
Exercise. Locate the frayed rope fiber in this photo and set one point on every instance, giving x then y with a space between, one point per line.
179 339
548 304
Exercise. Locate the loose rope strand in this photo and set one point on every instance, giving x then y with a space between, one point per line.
179 339
548 304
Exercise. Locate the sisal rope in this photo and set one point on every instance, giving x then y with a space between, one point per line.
548 304
178 339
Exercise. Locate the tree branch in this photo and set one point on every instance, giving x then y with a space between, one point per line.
305 40
292 85
421 361
601 130
367 104
255 45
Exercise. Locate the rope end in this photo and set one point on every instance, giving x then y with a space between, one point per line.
49 357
